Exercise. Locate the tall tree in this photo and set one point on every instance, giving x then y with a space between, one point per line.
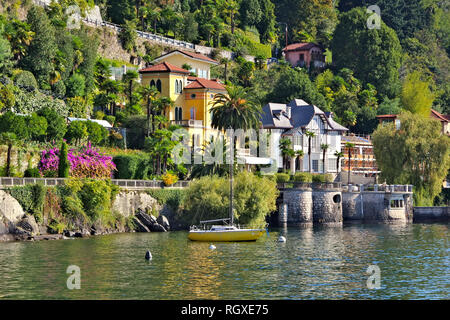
416 95
310 136
373 54
417 154
42 49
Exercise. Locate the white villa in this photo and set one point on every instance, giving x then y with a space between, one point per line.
293 120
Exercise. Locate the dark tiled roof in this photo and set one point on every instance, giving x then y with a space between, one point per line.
275 115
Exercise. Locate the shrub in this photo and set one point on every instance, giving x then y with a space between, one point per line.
63 165
282 177
56 124
169 178
75 86
322 178
174 198
97 134
303 177
76 132
26 80
99 115
254 199
132 166
110 119
32 173
31 198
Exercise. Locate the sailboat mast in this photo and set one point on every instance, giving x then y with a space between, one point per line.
231 174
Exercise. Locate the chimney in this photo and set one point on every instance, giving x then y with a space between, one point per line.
288 112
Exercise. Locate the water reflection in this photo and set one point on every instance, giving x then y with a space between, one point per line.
327 262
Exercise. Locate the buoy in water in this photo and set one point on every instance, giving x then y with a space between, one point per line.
148 255
212 247
281 239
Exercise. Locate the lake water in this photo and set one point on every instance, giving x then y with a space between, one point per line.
314 263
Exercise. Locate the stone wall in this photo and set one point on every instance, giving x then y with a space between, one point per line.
327 206
298 206
19 158
431 213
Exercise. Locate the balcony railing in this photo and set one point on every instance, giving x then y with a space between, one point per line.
188 123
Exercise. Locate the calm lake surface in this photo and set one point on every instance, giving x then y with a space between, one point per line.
314 263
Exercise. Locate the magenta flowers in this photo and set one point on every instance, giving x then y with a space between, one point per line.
84 163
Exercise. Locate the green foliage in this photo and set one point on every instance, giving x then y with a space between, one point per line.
64 165
373 54
417 154
26 80
208 198
174 198
96 133
42 49
31 198
75 86
56 124
416 95
282 177
32 173
322 178
76 132
303 177
132 166
91 199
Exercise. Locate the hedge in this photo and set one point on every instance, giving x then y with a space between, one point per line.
132 167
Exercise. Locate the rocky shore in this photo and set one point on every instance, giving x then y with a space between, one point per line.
141 208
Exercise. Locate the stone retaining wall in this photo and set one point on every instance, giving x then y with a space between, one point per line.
431 213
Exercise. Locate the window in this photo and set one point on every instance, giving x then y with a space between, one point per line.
315 165
193 113
178 113
176 87
193 96
297 140
332 165
397 203
152 83
158 85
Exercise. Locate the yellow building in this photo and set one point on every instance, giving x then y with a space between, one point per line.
192 95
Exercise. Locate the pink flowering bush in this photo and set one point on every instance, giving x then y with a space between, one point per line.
84 163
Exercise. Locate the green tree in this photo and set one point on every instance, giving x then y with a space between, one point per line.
349 147
36 126
75 86
96 133
149 95
76 132
42 49
286 150
417 154
129 79
416 95
373 54
234 110
310 136
10 140
324 148
56 124
250 12
64 165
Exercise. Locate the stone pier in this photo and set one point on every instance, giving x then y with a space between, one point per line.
332 203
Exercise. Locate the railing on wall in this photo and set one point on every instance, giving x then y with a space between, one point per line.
134 184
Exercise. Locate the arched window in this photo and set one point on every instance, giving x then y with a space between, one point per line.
152 83
158 85
192 113
176 86
178 113
181 86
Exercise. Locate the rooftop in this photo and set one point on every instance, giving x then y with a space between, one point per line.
193 55
301 46
201 83
163 67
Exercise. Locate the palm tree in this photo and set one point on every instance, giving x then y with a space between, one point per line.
10 139
286 150
149 94
310 135
300 154
128 79
338 155
349 147
162 106
234 110
20 36
324 148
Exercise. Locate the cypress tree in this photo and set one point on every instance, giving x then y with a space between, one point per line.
63 167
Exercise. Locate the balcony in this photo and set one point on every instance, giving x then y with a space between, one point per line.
188 123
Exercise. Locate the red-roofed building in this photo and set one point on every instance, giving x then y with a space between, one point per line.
305 55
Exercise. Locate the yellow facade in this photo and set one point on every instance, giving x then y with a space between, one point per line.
199 67
195 104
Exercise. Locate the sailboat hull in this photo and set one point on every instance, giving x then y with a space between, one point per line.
228 235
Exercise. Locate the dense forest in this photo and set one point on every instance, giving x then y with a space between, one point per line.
404 64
